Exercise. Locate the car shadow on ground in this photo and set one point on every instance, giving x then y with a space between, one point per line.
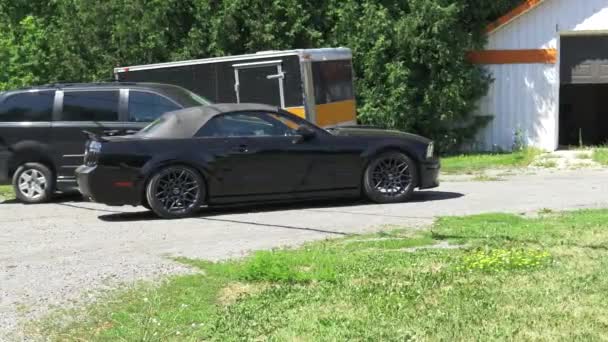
72 197
327 206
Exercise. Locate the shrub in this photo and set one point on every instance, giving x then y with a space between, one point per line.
410 56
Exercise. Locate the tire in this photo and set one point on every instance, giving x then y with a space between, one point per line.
390 177
33 183
145 204
175 192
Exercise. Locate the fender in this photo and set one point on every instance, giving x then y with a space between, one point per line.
29 151
201 163
416 153
412 150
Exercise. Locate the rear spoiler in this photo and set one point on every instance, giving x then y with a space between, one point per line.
94 136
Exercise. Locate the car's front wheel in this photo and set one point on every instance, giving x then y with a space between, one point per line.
175 192
390 178
33 183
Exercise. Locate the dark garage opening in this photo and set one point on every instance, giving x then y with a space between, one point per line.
583 114
583 107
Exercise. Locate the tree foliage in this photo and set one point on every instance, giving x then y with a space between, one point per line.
410 55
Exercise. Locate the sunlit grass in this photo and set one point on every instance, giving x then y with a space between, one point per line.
600 155
6 192
513 278
471 163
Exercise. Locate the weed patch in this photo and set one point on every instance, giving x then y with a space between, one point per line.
496 260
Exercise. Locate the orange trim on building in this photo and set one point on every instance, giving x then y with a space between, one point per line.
513 14
540 56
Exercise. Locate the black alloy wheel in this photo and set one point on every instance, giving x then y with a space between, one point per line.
390 178
175 192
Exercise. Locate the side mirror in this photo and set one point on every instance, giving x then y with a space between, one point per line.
305 133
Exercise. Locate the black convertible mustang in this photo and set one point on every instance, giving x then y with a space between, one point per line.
227 153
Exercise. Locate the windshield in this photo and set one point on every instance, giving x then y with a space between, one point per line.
185 97
152 125
201 100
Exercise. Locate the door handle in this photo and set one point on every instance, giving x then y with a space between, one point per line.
240 149
131 131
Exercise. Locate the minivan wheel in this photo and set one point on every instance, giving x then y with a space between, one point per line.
33 183
175 192
390 178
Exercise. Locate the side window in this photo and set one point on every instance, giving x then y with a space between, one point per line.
28 107
245 125
90 105
147 107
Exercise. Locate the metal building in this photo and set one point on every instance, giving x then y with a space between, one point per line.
549 62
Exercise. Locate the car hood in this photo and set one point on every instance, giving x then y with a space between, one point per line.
365 131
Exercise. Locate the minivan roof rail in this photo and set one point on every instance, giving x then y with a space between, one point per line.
84 84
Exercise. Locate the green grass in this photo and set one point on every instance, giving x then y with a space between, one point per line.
583 155
470 163
600 155
546 163
486 178
6 192
516 278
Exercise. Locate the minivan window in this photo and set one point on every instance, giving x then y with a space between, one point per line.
146 107
33 106
99 105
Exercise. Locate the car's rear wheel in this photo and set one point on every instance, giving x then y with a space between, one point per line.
33 183
175 192
390 178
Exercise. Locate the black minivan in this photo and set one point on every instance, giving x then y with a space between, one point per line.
41 128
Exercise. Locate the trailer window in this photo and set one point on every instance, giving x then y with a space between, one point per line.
333 81
27 107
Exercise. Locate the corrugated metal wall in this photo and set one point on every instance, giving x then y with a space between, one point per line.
525 97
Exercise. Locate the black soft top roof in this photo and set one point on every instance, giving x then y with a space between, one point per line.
184 123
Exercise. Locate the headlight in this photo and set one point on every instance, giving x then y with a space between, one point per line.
430 150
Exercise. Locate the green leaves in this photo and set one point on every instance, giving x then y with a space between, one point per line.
410 55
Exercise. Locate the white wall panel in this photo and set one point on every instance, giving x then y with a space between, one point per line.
540 27
523 97
526 96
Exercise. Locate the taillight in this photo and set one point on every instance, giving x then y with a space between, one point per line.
91 152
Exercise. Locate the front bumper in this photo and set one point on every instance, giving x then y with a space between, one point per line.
109 185
429 174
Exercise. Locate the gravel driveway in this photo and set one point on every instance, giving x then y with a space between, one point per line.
55 253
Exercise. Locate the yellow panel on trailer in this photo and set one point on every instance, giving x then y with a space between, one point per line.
337 113
331 114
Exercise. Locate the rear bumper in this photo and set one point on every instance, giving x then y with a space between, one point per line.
429 174
109 185
5 156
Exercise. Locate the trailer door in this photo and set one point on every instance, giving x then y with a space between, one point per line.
260 82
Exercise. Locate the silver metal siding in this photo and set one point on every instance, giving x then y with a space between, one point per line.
526 96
